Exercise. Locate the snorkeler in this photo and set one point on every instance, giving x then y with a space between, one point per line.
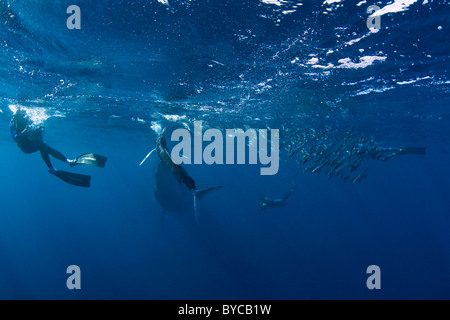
29 138
266 202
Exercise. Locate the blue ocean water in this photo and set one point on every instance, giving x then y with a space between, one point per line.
296 66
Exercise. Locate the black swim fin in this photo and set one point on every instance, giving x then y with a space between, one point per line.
403 151
91 159
75 179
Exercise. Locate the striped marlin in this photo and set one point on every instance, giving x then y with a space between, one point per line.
169 195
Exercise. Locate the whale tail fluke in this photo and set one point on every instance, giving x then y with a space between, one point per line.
198 195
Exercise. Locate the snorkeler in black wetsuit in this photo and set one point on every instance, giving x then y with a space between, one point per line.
266 202
29 138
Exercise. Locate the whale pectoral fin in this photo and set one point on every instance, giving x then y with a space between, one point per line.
198 195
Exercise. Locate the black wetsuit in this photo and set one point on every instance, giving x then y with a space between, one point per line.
31 140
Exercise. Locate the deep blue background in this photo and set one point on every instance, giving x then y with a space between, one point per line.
132 64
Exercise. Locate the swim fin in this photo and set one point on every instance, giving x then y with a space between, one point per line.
91 159
403 151
75 179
